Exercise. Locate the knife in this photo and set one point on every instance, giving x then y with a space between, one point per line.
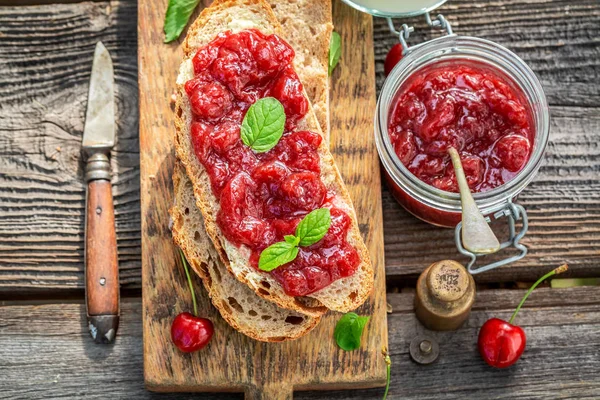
101 264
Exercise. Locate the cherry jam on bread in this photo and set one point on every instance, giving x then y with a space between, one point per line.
263 196
471 109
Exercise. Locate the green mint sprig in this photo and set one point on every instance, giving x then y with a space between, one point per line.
348 331
177 16
335 51
263 124
310 230
276 255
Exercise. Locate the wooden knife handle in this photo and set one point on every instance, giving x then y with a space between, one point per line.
101 262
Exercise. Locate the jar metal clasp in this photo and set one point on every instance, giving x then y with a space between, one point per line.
405 30
514 213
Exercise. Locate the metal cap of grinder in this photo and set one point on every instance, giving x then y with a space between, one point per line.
445 294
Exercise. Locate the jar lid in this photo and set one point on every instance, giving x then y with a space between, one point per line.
395 9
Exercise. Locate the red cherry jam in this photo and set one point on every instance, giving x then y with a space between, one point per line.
263 196
470 108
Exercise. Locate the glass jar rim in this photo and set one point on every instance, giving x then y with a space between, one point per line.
387 14
478 50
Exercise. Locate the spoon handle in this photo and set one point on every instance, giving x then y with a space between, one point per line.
477 236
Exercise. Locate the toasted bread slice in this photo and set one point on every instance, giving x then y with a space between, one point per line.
238 304
307 28
342 295
308 32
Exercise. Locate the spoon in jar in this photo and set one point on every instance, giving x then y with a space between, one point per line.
477 236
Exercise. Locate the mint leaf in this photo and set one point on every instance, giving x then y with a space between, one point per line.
310 230
348 331
276 255
291 239
177 16
335 50
263 124
314 226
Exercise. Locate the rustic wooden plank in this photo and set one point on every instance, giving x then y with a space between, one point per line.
562 201
49 344
503 299
47 50
233 361
45 57
36 2
46 352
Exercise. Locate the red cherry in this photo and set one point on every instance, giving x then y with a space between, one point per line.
500 343
191 333
393 57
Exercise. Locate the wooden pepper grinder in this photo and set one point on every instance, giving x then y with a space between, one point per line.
445 294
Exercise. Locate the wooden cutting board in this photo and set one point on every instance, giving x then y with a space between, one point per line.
232 362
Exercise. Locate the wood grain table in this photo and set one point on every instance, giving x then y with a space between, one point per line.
46 52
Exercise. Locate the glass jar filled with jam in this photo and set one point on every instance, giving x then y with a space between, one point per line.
471 94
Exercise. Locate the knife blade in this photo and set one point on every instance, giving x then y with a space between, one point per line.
101 261
99 131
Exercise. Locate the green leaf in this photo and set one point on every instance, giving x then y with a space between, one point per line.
291 239
263 124
348 331
178 14
310 230
314 226
335 50
276 255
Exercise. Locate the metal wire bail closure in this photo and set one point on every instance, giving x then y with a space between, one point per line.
405 30
514 212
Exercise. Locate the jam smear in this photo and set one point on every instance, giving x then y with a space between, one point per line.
263 196
470 108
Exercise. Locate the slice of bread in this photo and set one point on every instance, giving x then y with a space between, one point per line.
238 304
307 28
311 42
342 295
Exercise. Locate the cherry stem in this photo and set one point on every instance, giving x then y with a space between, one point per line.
555 271
388 362
189 279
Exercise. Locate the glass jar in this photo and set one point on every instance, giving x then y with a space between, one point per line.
426 202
